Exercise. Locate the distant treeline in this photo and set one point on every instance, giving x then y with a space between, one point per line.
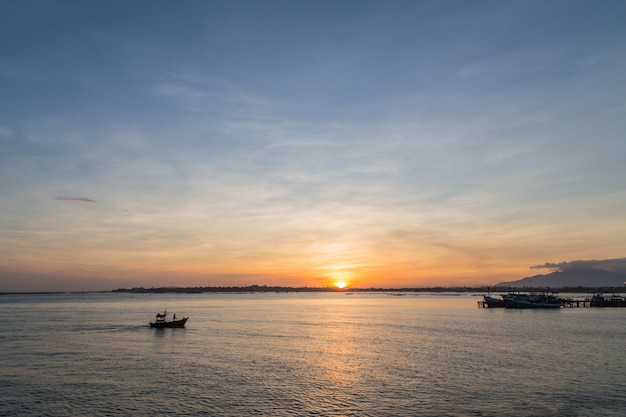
265 288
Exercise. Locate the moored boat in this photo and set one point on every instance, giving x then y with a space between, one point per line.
492 302
162 323
600 300
543 300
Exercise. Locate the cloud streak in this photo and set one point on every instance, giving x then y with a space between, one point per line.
79 199
614 265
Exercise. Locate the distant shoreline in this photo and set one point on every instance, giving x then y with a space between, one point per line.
279 289
265 288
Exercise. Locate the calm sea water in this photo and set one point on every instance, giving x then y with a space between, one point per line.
307 355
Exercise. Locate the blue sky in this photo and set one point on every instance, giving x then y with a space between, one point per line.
400 143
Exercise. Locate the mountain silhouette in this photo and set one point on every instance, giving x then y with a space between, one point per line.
571 278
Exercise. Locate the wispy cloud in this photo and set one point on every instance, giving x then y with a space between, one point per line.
79 199
199 94
6 132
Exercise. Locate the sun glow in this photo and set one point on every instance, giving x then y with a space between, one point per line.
341 284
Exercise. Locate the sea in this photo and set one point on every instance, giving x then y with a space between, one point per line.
306 354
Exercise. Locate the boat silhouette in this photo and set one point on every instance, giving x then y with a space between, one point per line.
162 323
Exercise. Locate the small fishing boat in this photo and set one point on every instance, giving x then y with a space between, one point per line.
162 323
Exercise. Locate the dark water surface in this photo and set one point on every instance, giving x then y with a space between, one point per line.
269 354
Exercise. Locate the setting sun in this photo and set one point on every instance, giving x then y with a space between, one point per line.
341 284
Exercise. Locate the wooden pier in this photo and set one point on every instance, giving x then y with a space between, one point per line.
576 302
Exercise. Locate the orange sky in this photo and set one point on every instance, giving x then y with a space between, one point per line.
124 251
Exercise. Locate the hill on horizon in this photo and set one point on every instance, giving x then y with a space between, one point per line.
571 278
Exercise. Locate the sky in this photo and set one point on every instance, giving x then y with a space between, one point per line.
304 143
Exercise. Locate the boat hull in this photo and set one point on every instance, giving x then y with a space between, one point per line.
528 304
170 324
